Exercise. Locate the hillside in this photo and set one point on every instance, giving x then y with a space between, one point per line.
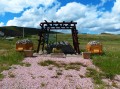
17 31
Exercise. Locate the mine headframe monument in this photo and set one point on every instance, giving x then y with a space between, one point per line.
47 26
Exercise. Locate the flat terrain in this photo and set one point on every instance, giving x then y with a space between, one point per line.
48 73
106 65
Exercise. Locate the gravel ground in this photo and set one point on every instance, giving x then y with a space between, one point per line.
36 76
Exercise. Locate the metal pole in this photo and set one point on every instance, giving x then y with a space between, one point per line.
56 38
23 33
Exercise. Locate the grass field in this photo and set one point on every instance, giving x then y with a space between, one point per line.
109 61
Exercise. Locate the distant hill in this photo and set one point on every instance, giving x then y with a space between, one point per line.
18 31
107 33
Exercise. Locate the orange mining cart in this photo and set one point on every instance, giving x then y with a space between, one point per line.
94 48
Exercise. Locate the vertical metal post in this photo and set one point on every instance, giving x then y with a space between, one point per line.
39 41
23 33
56 38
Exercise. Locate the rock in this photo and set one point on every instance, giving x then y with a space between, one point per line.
24 41
107 81
117 78
64 46
94 43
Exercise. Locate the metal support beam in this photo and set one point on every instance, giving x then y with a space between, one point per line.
47 26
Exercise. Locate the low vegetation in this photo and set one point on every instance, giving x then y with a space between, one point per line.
48 62
59 72
108 62
75 66
25 64
9 59
43 84
97 76
11 74
1 76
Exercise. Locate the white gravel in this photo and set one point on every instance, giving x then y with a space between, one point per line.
41 77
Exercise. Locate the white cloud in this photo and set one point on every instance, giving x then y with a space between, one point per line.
116 32
29 18
72 11
107 21
16 6
33 16
89 18
1 24
116 8
86 16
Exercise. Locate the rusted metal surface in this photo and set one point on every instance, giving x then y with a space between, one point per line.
47 26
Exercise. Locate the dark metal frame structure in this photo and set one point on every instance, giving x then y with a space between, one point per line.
47 26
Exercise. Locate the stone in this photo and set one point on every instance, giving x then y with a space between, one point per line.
117 78
58 55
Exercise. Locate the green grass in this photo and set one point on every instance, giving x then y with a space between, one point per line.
25 64
97 76
1 76
109 62
9 59
8 55
48 62
75 66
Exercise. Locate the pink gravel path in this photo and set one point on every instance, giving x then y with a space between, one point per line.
41 77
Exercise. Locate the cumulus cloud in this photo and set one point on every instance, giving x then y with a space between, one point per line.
1 24
29 18
109 21
16 6
88 17
33 16
85 15
116 8
72 11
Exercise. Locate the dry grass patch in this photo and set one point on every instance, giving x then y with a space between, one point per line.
75 66
43 84
25 64
11 74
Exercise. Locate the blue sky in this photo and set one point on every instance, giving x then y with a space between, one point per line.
92 16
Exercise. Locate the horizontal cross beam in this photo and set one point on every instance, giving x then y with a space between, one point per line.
59 27
58 24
